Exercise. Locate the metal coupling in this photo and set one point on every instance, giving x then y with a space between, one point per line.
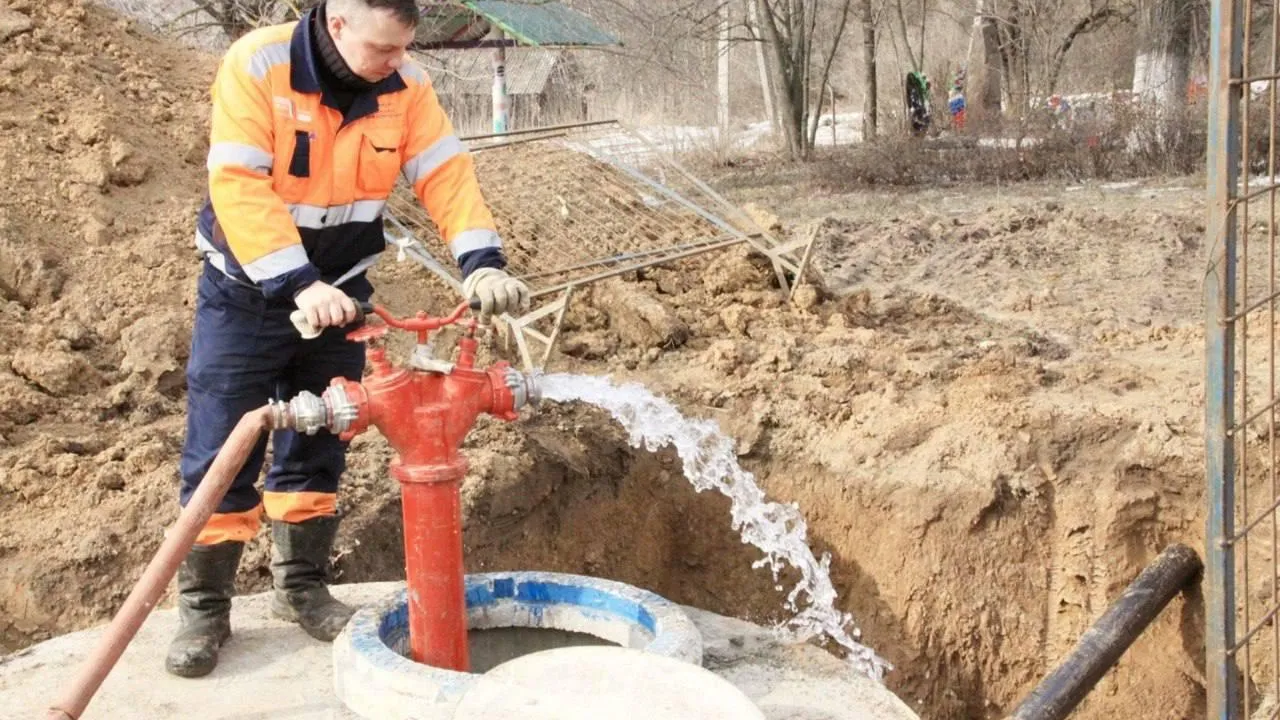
525 389
305 413
343 411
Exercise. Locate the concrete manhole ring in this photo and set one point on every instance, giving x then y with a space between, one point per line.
375 681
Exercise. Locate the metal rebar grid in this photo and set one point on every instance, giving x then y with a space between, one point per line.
1241 396
580 203
576 204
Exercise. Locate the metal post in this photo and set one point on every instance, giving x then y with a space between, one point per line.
1222 679
501 102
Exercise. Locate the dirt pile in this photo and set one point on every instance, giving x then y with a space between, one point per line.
101 146
1060 261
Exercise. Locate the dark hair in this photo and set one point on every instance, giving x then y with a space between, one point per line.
406 11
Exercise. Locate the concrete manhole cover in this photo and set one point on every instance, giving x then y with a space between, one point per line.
599 682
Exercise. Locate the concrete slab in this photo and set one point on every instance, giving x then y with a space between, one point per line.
271 669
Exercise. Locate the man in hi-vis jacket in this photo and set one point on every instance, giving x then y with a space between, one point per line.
313 122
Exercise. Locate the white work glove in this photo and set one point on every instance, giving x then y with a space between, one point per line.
497 291
320 306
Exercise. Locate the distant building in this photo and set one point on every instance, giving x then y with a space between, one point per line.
545 87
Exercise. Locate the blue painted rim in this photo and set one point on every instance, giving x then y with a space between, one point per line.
545 592
370 676
536 591
378 630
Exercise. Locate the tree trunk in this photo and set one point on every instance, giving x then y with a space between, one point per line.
722 74
766 85
784 76
871 102
916 65
1014 59
991 90
1162 65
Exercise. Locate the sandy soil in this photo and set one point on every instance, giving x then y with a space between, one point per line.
989 415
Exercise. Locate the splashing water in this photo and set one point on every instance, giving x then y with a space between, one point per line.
710 462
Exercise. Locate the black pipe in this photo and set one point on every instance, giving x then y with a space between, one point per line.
1106 640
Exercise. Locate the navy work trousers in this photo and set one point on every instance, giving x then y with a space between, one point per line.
244 351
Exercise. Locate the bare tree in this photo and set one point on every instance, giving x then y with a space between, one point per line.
1097 16
917 63
766 88
824 80
1035 37
786 47
237 17
1162 65
790 29
870 19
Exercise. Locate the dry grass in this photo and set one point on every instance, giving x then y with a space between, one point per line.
1127 142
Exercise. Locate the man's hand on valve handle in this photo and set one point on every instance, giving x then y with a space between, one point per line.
497 291
321 305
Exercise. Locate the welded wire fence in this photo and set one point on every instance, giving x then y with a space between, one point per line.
1241 294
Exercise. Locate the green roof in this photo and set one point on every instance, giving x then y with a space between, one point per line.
533 22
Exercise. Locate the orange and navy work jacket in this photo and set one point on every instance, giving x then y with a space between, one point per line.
297 189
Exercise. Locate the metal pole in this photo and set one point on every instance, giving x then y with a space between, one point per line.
501 102
1221 677
538 130
1106 640
432 512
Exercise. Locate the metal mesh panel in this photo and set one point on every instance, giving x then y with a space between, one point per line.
577 204
1241 395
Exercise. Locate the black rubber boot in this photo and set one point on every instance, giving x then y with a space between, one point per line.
300 567
206 583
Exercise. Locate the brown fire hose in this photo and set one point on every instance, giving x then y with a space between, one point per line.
177 543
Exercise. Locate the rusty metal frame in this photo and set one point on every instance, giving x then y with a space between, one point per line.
1241 398
781 255
646 167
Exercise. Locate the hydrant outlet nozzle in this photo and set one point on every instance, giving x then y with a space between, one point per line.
525 389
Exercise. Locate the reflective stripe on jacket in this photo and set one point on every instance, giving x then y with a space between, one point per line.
296 190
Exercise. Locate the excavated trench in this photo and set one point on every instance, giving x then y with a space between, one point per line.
971 594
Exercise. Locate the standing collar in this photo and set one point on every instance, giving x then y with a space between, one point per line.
304 76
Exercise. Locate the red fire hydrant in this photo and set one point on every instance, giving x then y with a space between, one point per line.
424 411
